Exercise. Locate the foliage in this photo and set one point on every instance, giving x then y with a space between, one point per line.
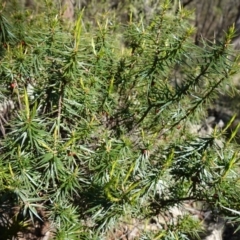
102 118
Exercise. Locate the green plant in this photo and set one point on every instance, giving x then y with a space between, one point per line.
101 129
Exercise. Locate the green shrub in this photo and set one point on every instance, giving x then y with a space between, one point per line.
101 129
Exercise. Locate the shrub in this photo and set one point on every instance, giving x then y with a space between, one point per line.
101 129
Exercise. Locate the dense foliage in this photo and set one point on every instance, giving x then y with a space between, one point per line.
101 129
